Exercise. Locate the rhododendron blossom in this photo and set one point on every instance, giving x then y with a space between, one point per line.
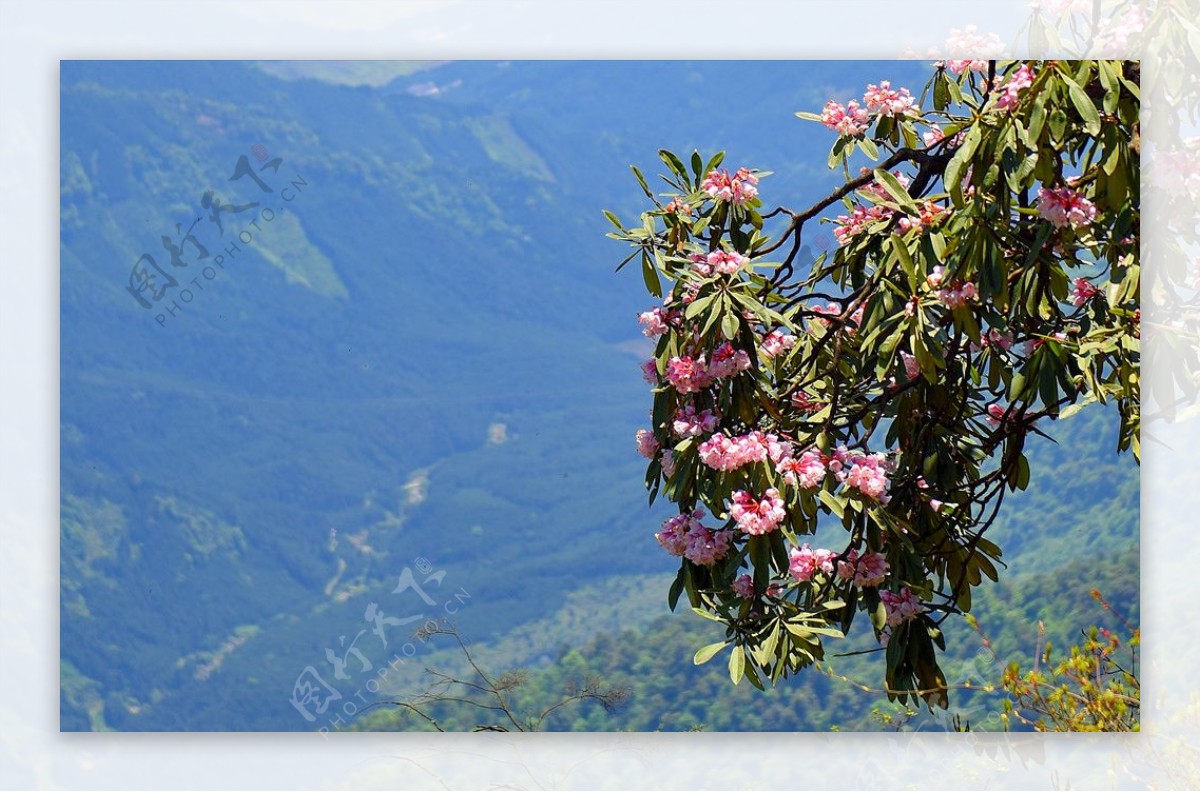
848 121
654 323
807 470
776 343
934 136
901 607
804 562
721 452
737 189
867 473
689 423
757 516
719 261
957 294
884 100
1082 292
688 375
805 403
668 463
743 586
685 535
650 371
1021 79
647 445
727 361
868 571
1065 207
853 223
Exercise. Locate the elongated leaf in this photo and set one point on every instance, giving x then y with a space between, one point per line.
708 652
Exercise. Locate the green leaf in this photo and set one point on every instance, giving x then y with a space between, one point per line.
642 181
869 148
832 501
737 665
893 187
808 116
650 276
729 326
1083 103
708 652
612 218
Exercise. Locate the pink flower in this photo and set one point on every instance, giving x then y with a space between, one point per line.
757 516
1021 79
901 607
744 586
684 535
848 121
689 423
776 343
805 403
887 102
668 463
678 206
935 504
1082 292
994 338
650 371
934 136
737 189
912 369
867 473
870 570
807 471
647 445
1065 207
957 294
720 452
805 562
687 375
996 414
654 323
727 361
705 547
969 43
853 223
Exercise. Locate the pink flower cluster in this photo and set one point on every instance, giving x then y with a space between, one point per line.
656 322
884 100
678 206
737 189
853 223
757 516
833 309
647 445
1082 292
684 535
805 562
668 463
867 473
930 214
721 452
805 403
997 414
1065 207
1021 79
727 361
869 570
719 261
689 423
776 343
807 470
650 371
692 375
954 294
848 121
901 607
743 586
994 339
934 136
